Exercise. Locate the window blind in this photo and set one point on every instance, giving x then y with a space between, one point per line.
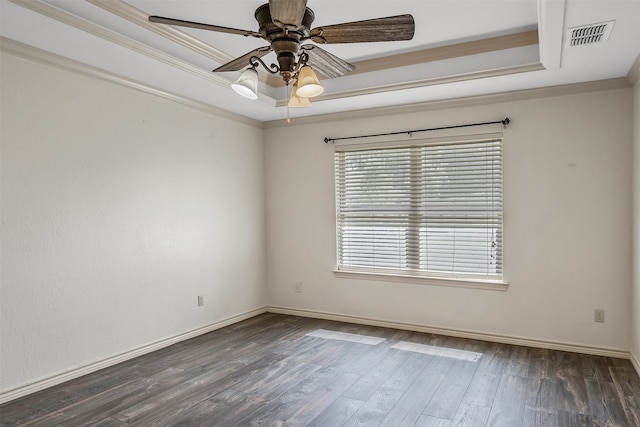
425 209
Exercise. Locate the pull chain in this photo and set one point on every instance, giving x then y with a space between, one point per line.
288 97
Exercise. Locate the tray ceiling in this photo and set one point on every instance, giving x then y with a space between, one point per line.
461 48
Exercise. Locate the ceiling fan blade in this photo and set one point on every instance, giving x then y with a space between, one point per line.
391 28
243 61
287 13
199 26
327 63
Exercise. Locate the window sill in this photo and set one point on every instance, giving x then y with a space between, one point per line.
491 285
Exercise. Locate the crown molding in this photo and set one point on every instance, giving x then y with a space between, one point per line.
440 53
519 95
425 82
23 51
126 11
136 16
42 8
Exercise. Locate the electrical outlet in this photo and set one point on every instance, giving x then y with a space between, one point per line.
298 286
200 300
598 316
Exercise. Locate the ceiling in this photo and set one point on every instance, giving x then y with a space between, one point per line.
461 48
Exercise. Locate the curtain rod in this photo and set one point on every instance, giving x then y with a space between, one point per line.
504 123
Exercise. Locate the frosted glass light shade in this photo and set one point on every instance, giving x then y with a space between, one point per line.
296 101
308 83
247 84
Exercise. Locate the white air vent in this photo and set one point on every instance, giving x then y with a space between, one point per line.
589 34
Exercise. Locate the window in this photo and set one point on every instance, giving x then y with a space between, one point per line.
429 209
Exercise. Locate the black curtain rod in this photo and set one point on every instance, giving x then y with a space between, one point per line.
504 122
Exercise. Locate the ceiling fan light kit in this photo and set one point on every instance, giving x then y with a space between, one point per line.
296 101
247 84
308 84
285 24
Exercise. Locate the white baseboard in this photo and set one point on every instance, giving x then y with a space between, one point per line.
483 336
45 383
635 362
15 393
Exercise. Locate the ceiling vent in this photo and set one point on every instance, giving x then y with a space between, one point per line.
589 34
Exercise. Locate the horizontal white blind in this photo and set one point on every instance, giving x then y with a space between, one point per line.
430 209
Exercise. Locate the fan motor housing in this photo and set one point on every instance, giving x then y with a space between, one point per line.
271 31
285 43
282 46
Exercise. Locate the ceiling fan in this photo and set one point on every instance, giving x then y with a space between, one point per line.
285 25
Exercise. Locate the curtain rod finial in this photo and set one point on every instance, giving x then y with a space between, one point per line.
506 121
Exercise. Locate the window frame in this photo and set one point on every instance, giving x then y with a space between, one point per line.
496 282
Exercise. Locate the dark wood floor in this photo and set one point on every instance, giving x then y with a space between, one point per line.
267 371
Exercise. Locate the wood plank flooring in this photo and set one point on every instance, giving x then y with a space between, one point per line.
266 371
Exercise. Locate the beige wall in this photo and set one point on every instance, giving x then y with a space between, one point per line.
567 224
118 209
